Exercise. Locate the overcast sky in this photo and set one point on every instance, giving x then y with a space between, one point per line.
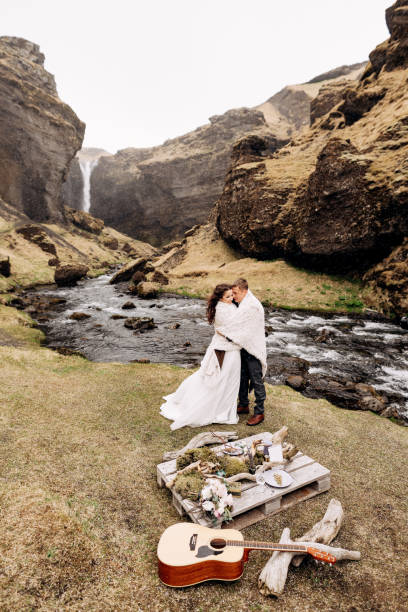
140 71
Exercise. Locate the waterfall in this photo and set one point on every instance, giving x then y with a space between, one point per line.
87 165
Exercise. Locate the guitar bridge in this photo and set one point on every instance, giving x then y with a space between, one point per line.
193 541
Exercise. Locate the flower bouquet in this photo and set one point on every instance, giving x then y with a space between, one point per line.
216 501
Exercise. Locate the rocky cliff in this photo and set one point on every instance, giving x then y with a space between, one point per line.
336 197
39 134
157 193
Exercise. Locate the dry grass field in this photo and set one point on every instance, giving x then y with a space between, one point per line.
81 512
209 261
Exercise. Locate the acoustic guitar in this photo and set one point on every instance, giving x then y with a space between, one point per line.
188 554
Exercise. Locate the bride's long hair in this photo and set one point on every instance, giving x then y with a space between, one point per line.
213 300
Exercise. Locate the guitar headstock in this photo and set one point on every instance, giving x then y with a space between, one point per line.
321 555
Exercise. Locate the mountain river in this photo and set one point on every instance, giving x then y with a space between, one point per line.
340 347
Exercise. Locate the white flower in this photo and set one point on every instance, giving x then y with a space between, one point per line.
229 500
221 508
206 493
208 506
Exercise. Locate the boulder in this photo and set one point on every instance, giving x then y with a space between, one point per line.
111 243
296 382
5 266
138 277
172 258
79 316
128 305
84 220
127 271
147 290
69 274
142 360
389 280
139 323
37 235
159 277
65 350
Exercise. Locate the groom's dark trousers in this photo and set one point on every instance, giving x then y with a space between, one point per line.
251 370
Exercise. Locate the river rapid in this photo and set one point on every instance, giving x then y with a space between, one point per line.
339 348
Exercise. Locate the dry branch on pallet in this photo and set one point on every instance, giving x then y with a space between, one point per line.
206 468
273 576
279 436
202 439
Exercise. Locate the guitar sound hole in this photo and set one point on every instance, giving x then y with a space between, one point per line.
218 543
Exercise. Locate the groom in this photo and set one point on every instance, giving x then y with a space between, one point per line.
248 331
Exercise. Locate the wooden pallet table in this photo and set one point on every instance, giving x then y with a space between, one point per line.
256 502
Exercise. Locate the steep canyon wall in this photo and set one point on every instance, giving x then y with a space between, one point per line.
39 134
336 197
157 193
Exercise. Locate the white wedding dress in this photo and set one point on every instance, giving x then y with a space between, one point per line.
210 394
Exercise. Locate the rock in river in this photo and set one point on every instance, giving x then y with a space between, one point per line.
79 316
127 271
139 323
69 274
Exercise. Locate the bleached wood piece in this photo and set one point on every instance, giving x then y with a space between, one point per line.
279 436
273 576
204 467
202 439
289 451
325 530
241 476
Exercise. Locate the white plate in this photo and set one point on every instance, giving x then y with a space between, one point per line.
270 480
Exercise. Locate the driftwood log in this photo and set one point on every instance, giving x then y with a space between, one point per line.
217 437
325 530
273 576
202 439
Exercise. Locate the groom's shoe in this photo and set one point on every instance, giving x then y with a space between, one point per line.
243 410
256 419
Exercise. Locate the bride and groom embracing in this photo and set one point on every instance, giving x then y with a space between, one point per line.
235 358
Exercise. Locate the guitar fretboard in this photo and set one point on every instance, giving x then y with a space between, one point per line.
267 545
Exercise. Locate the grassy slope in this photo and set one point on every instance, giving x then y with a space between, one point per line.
29 264
210 261
81 513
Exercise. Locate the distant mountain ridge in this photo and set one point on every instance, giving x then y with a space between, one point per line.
157 193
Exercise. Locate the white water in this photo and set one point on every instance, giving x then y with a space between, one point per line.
86 168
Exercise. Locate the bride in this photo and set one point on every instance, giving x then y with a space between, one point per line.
210 394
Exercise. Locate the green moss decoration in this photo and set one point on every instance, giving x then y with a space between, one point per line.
232 465
229 465
189 485
196 454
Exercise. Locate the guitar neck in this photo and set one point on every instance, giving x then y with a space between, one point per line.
255 545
